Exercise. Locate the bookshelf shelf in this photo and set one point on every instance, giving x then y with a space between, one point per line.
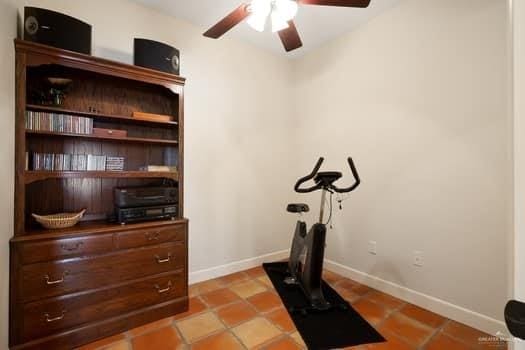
99 116
33 176
105 138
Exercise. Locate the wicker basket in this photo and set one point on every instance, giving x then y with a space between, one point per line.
61 220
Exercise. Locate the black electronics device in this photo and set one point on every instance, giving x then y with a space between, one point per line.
56 29
155 55
133 197
128 215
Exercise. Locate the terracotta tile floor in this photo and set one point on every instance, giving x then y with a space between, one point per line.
242 311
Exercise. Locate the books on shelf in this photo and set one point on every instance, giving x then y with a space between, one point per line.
79 162
114 163
56 122
73 162
158 168
48 161
96 163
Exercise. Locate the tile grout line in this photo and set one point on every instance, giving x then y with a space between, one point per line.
462 341
200 313
230 329
434 334
179 333
261 314
424 326
214 310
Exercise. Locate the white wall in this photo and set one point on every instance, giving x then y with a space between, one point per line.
519 146
236 128
418 97
518 8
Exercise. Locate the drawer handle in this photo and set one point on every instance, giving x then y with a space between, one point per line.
49 282
72 248
167 289
163 261
54 319
152 236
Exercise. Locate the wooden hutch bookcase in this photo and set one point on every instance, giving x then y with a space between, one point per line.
72 286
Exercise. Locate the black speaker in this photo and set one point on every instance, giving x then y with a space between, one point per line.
155 55
56 29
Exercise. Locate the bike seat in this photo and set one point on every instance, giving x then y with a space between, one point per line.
297 208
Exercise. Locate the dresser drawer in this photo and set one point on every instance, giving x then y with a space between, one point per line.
42 280
64 248
53 315
154 235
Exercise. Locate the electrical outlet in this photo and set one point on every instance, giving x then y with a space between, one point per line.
372 247
418 258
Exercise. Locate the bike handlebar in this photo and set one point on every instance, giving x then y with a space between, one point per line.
319 186
309 177
355 174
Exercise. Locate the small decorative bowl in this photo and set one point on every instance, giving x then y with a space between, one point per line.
62 220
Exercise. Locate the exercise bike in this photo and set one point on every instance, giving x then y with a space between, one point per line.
305 266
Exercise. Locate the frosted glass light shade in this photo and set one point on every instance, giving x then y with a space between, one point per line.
260 10
285 9
281 12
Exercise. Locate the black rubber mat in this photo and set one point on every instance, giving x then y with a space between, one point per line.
333 329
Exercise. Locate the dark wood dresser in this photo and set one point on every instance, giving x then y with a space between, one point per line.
72 286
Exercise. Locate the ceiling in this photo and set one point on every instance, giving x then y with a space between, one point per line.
316 24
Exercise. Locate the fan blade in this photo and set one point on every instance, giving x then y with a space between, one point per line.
228 22
290 37
342 3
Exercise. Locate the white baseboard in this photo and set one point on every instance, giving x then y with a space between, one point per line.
441 307
222 270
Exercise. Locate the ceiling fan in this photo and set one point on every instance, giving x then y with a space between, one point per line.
281 13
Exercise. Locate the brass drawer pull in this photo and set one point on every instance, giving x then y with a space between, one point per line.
49 282
54 319
167 289
152 236
72 248
163 261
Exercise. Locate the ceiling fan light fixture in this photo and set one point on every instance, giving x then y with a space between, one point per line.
285 9
280 11
259 12
257 22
